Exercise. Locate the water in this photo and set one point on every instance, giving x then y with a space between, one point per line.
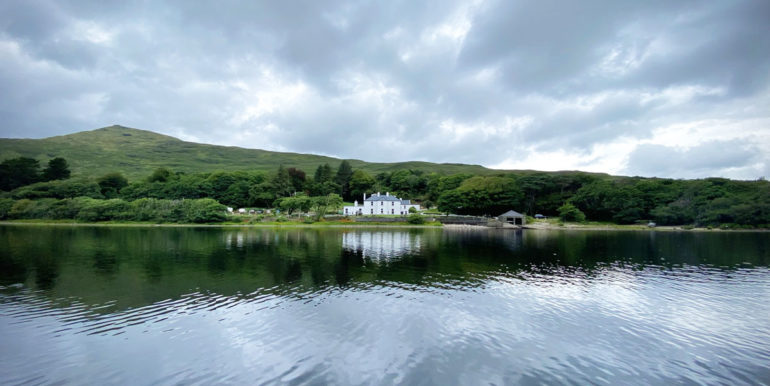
101 305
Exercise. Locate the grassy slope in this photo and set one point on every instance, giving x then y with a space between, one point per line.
136 153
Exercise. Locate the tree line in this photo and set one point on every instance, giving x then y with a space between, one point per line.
575 196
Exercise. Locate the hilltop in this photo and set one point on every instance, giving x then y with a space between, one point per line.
136 153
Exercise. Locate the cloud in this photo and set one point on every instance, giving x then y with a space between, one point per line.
596 86
741 159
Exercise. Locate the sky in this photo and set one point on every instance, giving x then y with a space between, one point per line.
676 89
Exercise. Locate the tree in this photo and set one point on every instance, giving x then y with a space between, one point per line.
159 175
323 182
451 201
323 204
282 186
342 178
481 195
300 203
18 172
297 178
360 183
57 169
236 195
569 212
262 194
110 184
323 174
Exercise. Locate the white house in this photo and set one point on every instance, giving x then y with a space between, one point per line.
378 204
382 246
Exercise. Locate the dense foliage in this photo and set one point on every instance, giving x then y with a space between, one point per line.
572 196
89 209
21 171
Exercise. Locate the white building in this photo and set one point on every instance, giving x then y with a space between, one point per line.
382 246
378 204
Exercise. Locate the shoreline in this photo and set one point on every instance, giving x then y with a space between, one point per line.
174 225
618 227
530 226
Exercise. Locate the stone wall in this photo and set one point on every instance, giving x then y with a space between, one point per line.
379 219
465 220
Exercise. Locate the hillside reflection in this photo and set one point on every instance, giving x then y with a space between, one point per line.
133 267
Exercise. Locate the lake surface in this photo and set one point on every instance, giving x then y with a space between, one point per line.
136 305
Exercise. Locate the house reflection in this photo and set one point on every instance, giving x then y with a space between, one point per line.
382 246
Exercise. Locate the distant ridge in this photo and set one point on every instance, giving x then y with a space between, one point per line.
136 153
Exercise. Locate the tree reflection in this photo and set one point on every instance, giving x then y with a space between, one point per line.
97 264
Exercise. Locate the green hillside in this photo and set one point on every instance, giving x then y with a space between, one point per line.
136 153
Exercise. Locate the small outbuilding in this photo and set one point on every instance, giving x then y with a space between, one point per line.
512 217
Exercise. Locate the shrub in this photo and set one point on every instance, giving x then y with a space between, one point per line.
5 207
105 210
67 208
58 189
203 210
416 218
89 209
569 212
20 208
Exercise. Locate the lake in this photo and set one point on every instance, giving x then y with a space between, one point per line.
168 305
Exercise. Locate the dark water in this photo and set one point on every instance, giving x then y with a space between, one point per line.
90 305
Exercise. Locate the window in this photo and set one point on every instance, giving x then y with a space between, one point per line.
392 211
381 211
392 203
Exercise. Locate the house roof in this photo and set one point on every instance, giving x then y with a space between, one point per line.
382 198
511 213
406 202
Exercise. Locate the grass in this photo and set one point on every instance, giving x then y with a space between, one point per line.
136 153
226 223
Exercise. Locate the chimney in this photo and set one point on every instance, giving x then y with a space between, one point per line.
387 194
355 203
364 196
378 194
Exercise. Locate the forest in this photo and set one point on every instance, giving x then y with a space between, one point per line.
30 191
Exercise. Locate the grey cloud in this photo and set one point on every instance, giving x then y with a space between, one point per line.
176 67
697 162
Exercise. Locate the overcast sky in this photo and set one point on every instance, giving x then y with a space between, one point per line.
653 88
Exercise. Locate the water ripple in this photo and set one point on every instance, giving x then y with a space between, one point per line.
326 313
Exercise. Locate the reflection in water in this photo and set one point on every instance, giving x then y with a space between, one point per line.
381 246
452 306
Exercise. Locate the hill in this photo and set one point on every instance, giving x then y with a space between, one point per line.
136 153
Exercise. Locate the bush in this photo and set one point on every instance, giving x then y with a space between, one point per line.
5 207
26 209
89 209
416 219
58 189
203 210
254 220
412 210
105 210
66 209
153 209
569 212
